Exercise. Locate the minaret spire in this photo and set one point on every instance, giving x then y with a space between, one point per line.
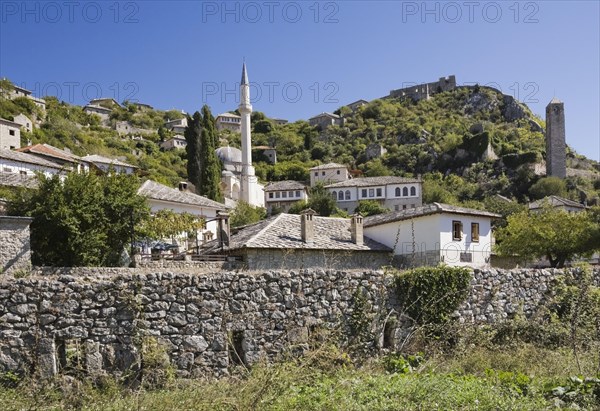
245 108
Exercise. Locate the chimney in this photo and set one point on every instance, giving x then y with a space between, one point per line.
356 229
307 226
183 186
223 229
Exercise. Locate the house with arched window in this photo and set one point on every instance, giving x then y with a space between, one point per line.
395 193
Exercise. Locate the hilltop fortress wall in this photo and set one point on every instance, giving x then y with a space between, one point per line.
106 321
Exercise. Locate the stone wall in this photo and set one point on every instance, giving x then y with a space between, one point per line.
103 320
15 250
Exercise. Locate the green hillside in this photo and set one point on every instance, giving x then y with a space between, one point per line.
468 144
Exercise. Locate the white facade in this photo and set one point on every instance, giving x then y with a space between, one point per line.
24 121
434 238
395 197
102 112
174 143
26 164
10 135
328 173
228 121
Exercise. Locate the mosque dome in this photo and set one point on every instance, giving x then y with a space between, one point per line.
229 155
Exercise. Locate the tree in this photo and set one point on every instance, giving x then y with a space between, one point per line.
167 223
263 126
193 148
370 207
551 233
548 186
210 170
244 214
320 201
85 220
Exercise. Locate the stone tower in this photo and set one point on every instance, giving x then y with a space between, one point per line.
556 161
248 178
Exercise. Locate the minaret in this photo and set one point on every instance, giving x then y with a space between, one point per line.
245 109
555 139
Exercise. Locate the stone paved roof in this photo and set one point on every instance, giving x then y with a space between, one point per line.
285 185
50 151
428 209
152 189
27 158
555 201
326 114
94 158
17 180
283 232
327 166
373 181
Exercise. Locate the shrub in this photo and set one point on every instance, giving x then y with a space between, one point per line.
430 294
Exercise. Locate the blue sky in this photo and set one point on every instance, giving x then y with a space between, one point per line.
305 57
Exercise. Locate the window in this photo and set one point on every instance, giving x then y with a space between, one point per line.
456 230
364 193
270 195
397 191
371 192
284 194
11 132
379 192
405 191
23 173
404 207
413 191
322 173
347 194
291 194
334 195
277 195
298 193
7 170
316 174
396 207
475 232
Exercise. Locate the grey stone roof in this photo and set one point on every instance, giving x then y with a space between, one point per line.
325 114
27 158
285 185
283 232
555 201
152 189
327 166
94 158
373 181
428 209
17 180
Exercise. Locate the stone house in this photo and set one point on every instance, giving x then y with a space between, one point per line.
177 142
325 120
23 92
105 102
289 241
435 233
102 112
25 122
357 104
161 197
394 193
125 127
282 194
375 150
143 107
177 126
328 173
10 134
229 121
557 203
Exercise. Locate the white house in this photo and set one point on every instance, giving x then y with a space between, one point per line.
325 120
177 126
63 158
176 142
328 173
10 134
282 194
104 164
27 164
435 233
228 121
394 193
161 197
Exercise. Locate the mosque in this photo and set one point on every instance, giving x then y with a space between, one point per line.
238 180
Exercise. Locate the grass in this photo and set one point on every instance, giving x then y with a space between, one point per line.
477 379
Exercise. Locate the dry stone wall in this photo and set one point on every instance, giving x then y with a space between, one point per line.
104 320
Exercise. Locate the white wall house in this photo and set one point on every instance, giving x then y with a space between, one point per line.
27 164
447 234
282 194
328 173
24 121
62 158
10 134
161 197
228 121
174 143
394 193
177 126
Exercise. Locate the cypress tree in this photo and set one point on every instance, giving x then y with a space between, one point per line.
193 149
210 171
